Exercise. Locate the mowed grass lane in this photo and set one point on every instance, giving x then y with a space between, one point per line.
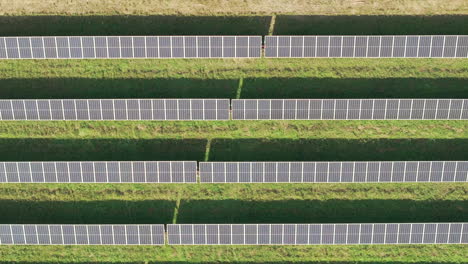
257 78
432 254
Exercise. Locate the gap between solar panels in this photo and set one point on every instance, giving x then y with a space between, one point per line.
236 234
238 109
233 172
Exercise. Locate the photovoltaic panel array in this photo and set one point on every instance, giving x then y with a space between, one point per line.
81 234
317 234
439 46
347 109
102 47
115 109
335 172
99 172
108 47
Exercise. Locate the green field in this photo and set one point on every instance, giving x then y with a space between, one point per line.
234 140
237 254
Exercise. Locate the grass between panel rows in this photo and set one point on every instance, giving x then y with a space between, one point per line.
233 149
232 203
449 254
391 129
289 78
248 192
235 68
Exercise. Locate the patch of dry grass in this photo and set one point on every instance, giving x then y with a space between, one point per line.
234 7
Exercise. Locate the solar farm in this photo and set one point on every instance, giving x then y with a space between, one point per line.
245 132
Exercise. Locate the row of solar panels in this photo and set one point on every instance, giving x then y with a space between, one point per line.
366 46
233 172
236 234
109 47
242 109
103 47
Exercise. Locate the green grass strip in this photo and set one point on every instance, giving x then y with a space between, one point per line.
237 254
232 203
235 68
247 192
235 129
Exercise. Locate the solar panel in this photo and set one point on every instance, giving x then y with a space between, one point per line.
437 46
317 234
82 235
99 172
119 47
334 172
350 109
115 109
